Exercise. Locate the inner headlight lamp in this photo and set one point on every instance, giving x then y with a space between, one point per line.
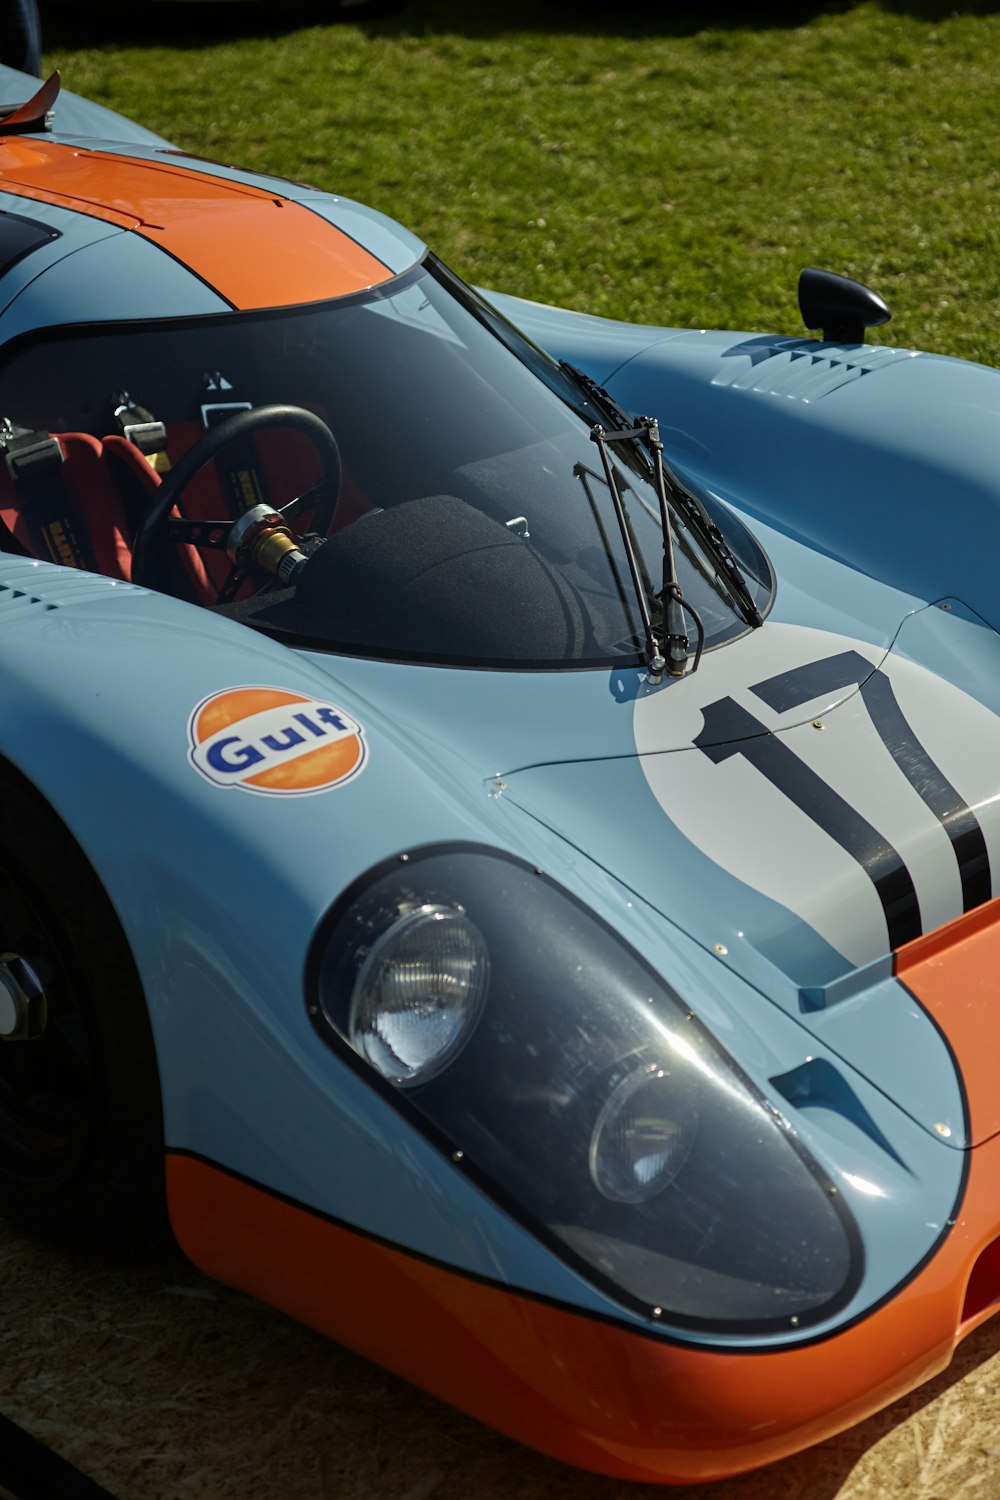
643 1134
531 1043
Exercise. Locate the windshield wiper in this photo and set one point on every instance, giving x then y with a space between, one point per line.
714 544
643 433
601 399
670 635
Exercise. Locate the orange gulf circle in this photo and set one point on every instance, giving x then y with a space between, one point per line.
252 246
223 709
322 767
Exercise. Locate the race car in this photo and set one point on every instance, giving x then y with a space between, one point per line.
501 808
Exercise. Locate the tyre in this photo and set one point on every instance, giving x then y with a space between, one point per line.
21 36
81 1126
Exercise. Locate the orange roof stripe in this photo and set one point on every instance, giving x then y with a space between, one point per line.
255 249
36 169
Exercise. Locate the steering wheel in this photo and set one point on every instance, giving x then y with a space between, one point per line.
160 525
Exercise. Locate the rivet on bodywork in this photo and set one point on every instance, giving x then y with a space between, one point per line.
818 724
720 948
943 1130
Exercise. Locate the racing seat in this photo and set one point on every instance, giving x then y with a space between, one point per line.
273 464
78 500
138 481
59 502
271 467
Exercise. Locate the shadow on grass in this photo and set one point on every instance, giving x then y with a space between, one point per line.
122 23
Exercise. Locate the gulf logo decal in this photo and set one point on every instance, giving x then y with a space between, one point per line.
273 741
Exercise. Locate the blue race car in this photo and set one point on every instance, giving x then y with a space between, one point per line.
499 846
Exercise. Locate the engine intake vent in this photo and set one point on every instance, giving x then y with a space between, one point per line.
797 370
26 586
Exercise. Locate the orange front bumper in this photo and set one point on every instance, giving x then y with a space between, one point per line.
591 1393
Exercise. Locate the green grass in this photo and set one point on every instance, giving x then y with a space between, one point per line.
676 171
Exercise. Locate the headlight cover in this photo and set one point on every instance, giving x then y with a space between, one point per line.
418 994
579 1090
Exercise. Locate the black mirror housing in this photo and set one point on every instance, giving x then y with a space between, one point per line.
842 308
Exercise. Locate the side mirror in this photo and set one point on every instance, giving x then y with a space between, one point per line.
842 308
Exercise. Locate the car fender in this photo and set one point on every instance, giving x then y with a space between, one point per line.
840 446
220 892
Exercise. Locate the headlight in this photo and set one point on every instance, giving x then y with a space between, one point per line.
418 993
513 1026
643 1134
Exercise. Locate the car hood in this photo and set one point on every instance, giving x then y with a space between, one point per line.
803 781
804 806
813 795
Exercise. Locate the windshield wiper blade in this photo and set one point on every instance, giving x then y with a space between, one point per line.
598 397
713 543
687 506
671 636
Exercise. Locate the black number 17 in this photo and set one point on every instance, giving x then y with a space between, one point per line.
731 730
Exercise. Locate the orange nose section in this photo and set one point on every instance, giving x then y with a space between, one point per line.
955 974
592 1392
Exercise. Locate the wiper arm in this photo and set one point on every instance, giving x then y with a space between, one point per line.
688 506
671 636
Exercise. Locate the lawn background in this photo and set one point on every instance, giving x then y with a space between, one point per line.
664 163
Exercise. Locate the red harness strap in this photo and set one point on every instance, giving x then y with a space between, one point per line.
60 503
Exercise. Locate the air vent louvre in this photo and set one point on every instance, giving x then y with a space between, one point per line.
27 585
802 370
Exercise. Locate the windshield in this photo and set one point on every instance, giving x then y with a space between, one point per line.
463 517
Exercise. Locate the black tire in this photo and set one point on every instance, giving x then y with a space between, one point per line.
81 1124
21 36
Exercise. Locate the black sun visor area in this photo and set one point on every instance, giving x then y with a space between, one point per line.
19 236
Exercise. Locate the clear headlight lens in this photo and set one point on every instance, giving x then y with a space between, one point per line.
419 993
522 1033
643 1135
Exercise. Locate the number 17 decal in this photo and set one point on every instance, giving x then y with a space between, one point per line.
732 730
